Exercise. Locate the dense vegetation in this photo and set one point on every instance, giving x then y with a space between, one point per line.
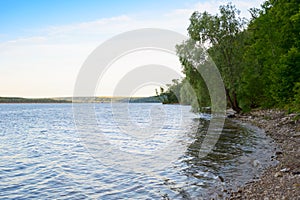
259 60
152 99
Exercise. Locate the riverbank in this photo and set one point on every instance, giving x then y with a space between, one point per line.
281 181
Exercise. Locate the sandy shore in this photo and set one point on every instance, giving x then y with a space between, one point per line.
283 180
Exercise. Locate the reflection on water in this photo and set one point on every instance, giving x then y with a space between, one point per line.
42 156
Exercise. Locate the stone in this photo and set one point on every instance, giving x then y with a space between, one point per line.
296 134
278 174
285 170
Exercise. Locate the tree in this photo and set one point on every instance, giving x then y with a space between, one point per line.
260 64
188 95
224 34
172 95
193 59
276 41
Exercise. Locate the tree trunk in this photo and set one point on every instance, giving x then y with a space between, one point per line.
233 101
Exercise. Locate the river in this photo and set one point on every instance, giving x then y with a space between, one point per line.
44 156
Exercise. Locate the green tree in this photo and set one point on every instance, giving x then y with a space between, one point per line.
224 34
172 94
193 59
260 63
188 95
275 51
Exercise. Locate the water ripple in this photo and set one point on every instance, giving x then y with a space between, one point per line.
42 157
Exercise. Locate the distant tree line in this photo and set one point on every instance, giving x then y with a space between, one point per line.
27 100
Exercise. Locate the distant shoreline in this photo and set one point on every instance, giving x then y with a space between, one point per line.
14 100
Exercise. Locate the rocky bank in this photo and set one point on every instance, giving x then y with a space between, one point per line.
283 180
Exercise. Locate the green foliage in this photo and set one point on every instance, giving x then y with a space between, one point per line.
188 95
172 95
178 92
294 106
285 75
224 33
275 38
260 63
193 59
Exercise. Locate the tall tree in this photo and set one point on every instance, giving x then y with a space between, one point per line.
224 34
193 59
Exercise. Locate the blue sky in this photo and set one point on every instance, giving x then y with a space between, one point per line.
18 18
43 44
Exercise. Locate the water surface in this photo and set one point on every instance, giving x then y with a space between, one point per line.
42 156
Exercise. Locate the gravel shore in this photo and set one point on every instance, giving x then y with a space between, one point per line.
283 180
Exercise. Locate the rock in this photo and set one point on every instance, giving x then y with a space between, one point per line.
231 116
256 163
296 185
230 113
221 178
296 134
278 174
285 170
296 173
285 119
292 115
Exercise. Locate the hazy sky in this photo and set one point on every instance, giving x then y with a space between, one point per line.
44 43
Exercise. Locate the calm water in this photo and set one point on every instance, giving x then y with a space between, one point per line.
42 156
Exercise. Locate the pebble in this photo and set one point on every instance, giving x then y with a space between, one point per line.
256 163
278 174
296 134
285 170
287 175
